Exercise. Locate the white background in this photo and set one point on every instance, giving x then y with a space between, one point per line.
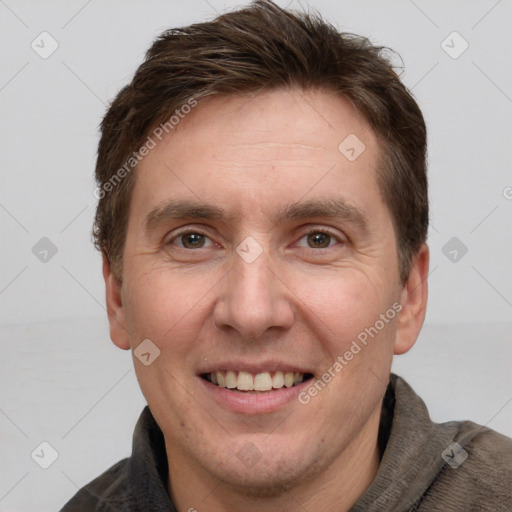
64 382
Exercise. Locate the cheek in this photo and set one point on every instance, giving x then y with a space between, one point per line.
346 314
162 302
163 306
345 303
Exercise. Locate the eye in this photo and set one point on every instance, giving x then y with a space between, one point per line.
320 239
189 240
194 239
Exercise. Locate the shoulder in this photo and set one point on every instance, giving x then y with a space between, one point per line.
489 460
111 483
477 471
489 446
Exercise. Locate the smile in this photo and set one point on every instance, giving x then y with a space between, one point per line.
256 383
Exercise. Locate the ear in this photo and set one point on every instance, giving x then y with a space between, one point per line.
414 303
115 310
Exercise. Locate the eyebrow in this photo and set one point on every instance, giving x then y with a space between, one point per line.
332 208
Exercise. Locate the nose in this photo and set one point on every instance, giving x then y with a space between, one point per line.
254 298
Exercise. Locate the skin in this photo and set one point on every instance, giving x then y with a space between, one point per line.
302 301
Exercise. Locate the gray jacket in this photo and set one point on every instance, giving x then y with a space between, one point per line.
454 466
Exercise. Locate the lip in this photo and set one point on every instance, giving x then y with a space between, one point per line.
240 366
252 403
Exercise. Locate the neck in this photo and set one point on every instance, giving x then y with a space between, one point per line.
334 489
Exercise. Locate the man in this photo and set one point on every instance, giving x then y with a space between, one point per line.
262 216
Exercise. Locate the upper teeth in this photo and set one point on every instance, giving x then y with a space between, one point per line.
263 381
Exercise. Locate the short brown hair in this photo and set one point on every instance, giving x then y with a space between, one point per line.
264 47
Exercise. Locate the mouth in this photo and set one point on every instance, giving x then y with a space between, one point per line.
253 383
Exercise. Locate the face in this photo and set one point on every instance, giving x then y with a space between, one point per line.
257 254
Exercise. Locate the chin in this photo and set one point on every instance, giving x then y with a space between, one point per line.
269 477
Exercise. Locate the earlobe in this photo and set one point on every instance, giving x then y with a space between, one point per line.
414 302
115 308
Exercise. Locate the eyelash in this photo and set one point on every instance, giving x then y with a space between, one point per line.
310 232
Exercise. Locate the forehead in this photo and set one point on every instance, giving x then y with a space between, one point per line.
272 124
257 151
